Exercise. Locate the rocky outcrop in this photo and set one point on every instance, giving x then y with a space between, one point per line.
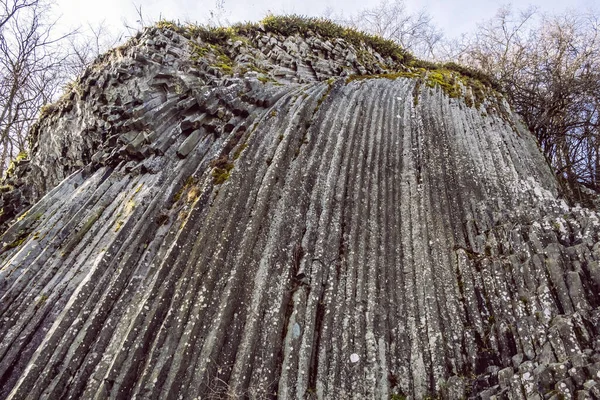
248 220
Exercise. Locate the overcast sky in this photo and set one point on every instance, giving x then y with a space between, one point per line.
452 16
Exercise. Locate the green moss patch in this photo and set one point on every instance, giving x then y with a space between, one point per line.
13 164
452 82
391 75
214 55
330 83
42 299
198 51
119 224
19 240
224 63
191 181
221 170
239 150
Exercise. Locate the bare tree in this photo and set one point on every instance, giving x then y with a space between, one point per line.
217 16
10 9
391 20
87 44
140 23
35 66
549 66
30 64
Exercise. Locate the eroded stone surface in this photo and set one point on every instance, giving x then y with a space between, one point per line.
207 235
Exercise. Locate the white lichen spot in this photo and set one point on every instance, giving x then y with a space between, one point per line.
296 330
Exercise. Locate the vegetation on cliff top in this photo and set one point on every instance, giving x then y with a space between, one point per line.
454 79
403 62
292 25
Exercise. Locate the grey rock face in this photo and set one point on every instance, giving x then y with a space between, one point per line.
194 234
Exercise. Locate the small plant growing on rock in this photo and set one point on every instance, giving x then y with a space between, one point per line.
222 170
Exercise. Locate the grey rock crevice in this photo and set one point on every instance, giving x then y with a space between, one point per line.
192 234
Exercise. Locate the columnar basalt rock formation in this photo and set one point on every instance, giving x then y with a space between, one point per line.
293 217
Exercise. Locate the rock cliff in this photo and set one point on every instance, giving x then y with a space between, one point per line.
259 213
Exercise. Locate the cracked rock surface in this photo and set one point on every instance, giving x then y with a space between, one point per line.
182 232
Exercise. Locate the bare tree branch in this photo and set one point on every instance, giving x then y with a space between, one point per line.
391 20
549 66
